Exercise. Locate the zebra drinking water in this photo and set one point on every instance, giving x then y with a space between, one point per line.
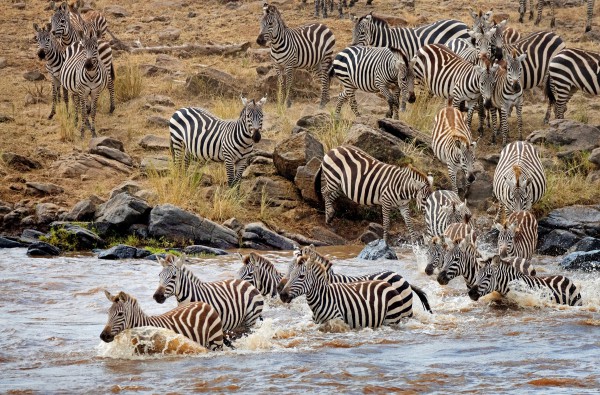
260 272
518 235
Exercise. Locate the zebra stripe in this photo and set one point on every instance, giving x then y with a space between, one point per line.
92 20
498 275
367 181
442 209
238 303
306 47
510 35
261 273
197 321
518 235
436 246
519 179
373 70
460 259
570 70
196 133
472 50
481 20
589 14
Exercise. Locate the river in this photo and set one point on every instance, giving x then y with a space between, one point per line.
53 310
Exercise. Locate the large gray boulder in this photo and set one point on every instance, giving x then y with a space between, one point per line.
307 182
377 249
578 219
84 210
213 81
176 224
275 191
481 191
19 162
571 136
582 260
80 238
557 242
376 143
41 249
267 237
122 211
296 151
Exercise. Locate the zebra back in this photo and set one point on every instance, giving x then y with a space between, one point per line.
261 273
92 20
442 209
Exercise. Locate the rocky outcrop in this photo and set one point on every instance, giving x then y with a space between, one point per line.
582 260
120 212
556 242
405 132
198 249
307 182
380 145
586 244
571 136
42 188
123 251
273 191
296 151
152 142
159 164
256 235
8 243
579 220
377 249
20 162
47 212
481 190
42 249
78 237
305 85
88 166
84 210
106 141
215 82
327 236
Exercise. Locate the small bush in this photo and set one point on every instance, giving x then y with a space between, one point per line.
62 239
128 81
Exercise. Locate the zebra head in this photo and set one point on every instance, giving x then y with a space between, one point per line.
466 158
362 33
497 40
506 237
90 46
483 41
424 191
435 253
456 212
456 258
44 40
299 282
406 77
60 21
247 270
481 20
487 82
119 315
253 117
270 24
486 279
519 192
514 70
169 277
297 255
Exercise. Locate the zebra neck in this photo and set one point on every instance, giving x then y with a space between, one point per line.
187 284
139 318
241 129
280 36
318 288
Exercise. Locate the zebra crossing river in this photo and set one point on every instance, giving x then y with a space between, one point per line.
53 310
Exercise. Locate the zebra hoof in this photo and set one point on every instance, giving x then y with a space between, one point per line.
588 29
111 109
51 115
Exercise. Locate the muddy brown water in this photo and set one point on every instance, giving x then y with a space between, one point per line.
53 310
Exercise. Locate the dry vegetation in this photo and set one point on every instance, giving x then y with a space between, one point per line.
219 24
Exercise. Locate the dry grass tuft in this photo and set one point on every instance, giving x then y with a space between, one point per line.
421 113
226 203
66 121
179 187
334 132
128 81
227 108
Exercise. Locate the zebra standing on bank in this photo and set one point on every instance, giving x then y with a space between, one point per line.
260 272
373 70
571 69
519 179
367 181
436 245
53 52
498 275
518 235
238 303
196 133
197 321
443 208
305 47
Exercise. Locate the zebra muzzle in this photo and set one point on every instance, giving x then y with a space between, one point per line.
41 54
487 104
260 40
159 296
474 294
106 335
281 285
516 87
442 279
412 97
429 269
88 64
256 136
285 297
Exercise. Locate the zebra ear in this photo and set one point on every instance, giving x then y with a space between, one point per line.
121 296
240 257
36 27
478 69
63 6
474 15
522 57
109 296
179 263
491 32
244 100
503 23
430 179
262 101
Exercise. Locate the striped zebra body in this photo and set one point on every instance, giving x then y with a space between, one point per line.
260 272
53 52
571 69
306 47
92 20
518 235
510 35
238 303
453 146
367 181
442 209
196 133
436 245
498 275
373 70
197 321
519 178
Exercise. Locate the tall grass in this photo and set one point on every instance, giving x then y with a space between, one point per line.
180 187
226 203
421 113
66 121
128 81
334 132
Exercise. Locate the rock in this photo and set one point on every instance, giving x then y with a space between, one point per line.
571 136
2 62
88 166
582 260
593 177
274 191
46 212
586 244
595 157
375 143
106 141
198 249
181 226
214 83
259 55
116 10
296 151
405 132
34 76
158 18
376 228
557 242
307 182
579 219
122 211
130 187
46 153
159 121
150 70
327 236
147 195
169 34
112 153
480 191
20 162
304 86
84 210
268 237
8 243
139 230
40 249
368 236
29 221
234 224
79 237
314 121
120 251
6 118
157 164
152 142
40 188
260 167
31 235
377 249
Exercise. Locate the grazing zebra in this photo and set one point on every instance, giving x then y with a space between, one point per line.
305 47
260 272
498 275
367 181
571 69
84 76
373 70
196 133
518 235
501 90
452 144
238 303
590 14
443 208
436 245
519 178
402 286
198 321
364 304
376 32
53 52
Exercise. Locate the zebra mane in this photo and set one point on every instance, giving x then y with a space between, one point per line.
418 173
517 170
376 20
260 261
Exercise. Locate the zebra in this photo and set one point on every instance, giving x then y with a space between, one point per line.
372 70
198 321
260 272
402 286
364 304
540 6
93 20
498 275
443 208
367 181
518 235
196 133
306 47
471 51
510 35
238 303
460 259
84 76
481 20
453 146
373 31
436 245
519 179
501 90
569 70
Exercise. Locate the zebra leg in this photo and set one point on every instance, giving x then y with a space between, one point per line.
55 97
521 10
230 169
405 211
66 98
329 196
560 107
84 114
330 6
340 9
111 91
553 20
316 8
520 120
452 174
340 102
240 166
470 119
280 85
494 124
530 9
481 113
94 105
590 12
385 213
353 103
392 103
323 74
539 12
504 125
324 8
288 86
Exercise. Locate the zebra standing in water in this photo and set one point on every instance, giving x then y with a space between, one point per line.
197 321
498 275
372 70
367 181
196 133
569 70
460 259
260 272
436 245
519 178
518 235
53 52
305 47
443 208
452 144
238 303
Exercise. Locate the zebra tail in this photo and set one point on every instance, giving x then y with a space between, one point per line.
318 191
422 296
112 71
331 73
548 90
